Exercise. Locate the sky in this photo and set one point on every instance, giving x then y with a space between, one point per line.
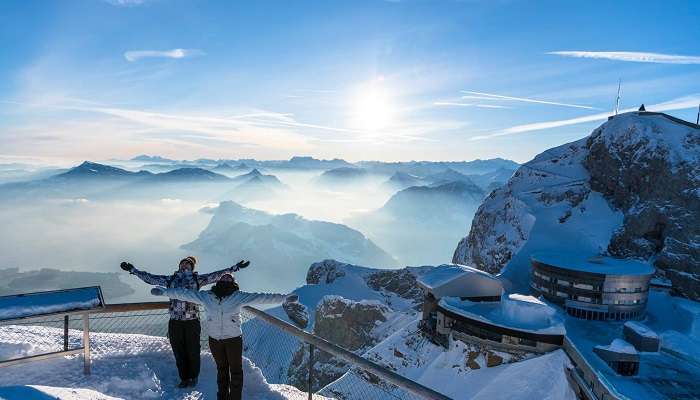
359 80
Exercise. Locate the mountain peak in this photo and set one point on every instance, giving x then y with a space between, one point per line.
92 169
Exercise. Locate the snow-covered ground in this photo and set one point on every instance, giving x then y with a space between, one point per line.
449 372
124 366
673 372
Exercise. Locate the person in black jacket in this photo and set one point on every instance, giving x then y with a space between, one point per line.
184 327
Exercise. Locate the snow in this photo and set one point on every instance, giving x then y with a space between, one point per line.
619 346
641 329
670 373
34 304
577 261
272 349
445 273
520 312
124 366
410 354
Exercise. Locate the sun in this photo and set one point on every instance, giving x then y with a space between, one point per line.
373 107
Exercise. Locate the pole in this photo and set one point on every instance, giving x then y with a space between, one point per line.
65 333
617 101
697 120
86 344
311 370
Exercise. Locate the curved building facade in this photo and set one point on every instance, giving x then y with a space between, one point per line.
594 288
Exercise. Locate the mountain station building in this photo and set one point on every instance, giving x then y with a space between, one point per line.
592 288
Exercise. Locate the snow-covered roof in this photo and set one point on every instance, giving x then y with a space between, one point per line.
641 329
446 273
518 312
42 303
594 264
619 346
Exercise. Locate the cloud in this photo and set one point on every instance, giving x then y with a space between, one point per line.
125 3
496 97
135 55
681 103
449 103
631 56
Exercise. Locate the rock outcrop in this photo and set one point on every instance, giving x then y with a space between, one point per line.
346 323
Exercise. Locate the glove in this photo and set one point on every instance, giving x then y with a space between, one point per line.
296 312
240 265
157 291
126 266
292 298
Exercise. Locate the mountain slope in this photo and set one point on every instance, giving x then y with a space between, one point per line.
418 224
630 189
280 245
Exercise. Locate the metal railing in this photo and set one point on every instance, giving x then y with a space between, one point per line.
269 342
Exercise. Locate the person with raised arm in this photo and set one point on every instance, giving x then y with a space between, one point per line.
184 328
222 305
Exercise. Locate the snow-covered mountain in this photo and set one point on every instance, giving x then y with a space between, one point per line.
280 245
630 189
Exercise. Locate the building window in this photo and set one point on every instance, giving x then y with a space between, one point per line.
563 282
583 286
583 298
562 294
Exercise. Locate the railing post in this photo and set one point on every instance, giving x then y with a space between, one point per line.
65 332
311 370
86 344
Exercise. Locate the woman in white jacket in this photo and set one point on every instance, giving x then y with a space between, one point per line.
223 306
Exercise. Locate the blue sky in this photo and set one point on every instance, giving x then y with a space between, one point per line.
389 80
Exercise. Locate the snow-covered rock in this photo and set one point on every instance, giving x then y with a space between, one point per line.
347 323
630 189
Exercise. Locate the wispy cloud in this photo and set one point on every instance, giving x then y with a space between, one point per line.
490 96
681 103
631 56
125 3
135 55
455 104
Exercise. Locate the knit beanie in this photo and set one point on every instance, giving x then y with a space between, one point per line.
190 259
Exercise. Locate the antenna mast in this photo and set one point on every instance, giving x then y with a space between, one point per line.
617 101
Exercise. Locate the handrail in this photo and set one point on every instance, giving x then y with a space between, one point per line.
351 358
126 307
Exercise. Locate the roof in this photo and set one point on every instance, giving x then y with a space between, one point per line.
619 346
446 273
517 312
50 302
641 329
594 264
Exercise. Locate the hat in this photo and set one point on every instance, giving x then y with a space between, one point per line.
190 259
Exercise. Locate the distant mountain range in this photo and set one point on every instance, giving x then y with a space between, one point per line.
418 168
342 176
279 245
95 180
485 182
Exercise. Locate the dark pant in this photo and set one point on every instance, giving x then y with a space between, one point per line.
228 354
184 339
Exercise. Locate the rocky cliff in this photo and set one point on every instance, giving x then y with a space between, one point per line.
630 189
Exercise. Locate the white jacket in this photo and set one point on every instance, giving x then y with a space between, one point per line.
223 315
